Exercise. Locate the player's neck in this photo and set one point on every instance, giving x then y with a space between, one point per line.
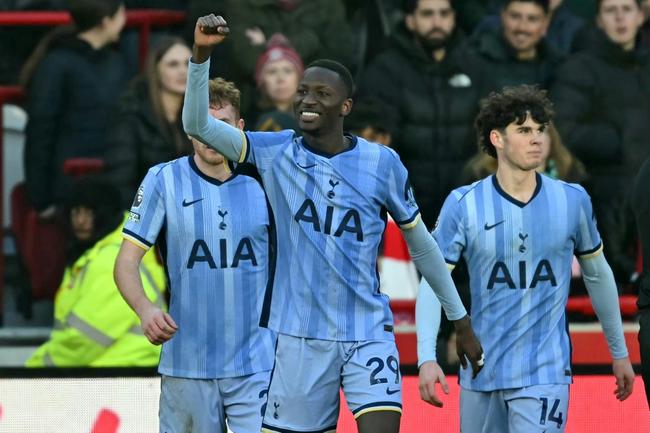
221 172
519 184
330 143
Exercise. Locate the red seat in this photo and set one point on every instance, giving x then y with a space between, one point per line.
41 244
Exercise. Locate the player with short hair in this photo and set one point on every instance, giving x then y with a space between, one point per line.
518 231
216 236
330 193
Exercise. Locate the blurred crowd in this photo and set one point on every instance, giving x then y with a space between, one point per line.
421 69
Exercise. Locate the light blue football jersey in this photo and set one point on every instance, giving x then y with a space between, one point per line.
519 257
215 238
331 215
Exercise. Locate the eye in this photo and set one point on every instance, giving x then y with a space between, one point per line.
323 93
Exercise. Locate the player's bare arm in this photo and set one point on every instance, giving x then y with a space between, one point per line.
157 325
210 31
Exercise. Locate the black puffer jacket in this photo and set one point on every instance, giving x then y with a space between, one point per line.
69 100
436 105
602 100
502 68
137 141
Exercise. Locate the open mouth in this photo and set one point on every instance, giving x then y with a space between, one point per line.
309 116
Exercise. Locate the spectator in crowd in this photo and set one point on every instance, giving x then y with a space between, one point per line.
641 205
315 28
146 128
72 81
427 76
557 161
517 53
277 73
93 324
562 28
602 97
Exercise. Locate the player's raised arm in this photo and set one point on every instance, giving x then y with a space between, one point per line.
429 261
209 31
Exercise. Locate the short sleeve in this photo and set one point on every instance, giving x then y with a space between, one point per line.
262 147
449 231
147 213
401 202
587 238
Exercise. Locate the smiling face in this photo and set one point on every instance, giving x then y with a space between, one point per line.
321 101
522 146
620 20
524 25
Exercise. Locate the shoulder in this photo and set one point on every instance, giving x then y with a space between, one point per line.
460 194
573 191
272 137
165 168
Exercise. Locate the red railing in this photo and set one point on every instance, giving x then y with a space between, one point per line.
144 20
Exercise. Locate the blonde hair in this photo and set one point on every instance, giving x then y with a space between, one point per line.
224 92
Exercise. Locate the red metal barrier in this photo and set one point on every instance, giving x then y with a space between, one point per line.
143 19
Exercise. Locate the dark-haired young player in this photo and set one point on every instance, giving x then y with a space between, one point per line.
518 231
330 193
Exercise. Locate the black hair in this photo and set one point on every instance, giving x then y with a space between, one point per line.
373 113
512 104
544 4
104 200
339 69
87 14
409 6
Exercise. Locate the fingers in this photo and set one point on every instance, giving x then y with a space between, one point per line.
433 397
169 321
213 24
443 384
477 363
624 387
160 328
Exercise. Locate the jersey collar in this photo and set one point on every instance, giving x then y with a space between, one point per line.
511 199
210 179
353 144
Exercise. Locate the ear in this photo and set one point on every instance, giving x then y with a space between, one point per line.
241 124
496 138
409 20
346 107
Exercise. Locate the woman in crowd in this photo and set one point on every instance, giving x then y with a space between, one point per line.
277 73
146 128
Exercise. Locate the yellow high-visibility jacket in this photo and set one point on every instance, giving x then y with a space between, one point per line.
93 325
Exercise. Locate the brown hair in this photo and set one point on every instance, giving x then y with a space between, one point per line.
512 104
567 167
154 86
224 92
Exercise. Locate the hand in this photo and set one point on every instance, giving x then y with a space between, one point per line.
256 36
624 375
210 30
468 346
157 325
430 374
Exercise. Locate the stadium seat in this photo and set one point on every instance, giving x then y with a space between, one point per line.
41 244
